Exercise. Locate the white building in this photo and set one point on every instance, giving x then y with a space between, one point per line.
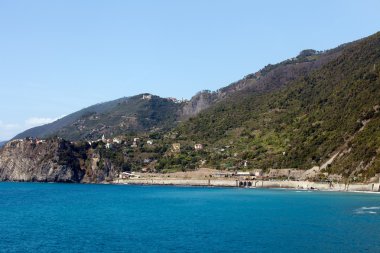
116 140
198 146
147 97
243 173
126 175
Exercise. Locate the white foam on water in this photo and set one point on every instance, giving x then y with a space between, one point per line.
371 208
367 210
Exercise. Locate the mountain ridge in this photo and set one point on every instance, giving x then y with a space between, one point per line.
270 78
318 112
132 113
303 124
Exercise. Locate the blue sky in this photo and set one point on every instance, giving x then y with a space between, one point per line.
57 57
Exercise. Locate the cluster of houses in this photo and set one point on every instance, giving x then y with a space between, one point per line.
177 101
110 142
176 147
28 139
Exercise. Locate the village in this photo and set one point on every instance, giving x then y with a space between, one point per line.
141 153
145 170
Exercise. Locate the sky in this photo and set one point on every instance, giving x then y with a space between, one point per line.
57 57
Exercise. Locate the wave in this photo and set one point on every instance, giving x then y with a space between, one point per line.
367 210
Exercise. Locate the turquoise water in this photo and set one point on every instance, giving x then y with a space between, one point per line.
116 218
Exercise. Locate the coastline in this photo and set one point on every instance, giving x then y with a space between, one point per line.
273 184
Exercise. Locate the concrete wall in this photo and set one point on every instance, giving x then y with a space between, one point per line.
190 182
315 185
254 183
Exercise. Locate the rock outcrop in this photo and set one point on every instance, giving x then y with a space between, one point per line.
53 160
30 160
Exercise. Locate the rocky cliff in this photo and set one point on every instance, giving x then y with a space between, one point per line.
32 161
53 160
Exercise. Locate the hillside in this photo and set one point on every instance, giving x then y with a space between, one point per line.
51 128
333 110
268 79
319 110
132 114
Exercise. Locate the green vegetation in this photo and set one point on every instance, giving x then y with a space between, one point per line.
303 124
132 115
295 114
126 115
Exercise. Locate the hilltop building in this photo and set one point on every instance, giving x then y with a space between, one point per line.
147 97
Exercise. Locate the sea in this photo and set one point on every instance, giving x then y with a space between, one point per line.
42 217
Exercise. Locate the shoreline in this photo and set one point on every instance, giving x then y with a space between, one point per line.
192 183
372 188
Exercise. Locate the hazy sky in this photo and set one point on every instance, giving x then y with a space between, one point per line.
59 56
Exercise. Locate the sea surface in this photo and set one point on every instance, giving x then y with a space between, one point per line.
119 218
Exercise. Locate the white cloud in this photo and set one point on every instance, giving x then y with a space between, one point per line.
38 121
8 126
10 130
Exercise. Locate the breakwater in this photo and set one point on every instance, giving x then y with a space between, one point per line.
305 185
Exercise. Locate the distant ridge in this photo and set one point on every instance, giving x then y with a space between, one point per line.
51 128
106 118
139 113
